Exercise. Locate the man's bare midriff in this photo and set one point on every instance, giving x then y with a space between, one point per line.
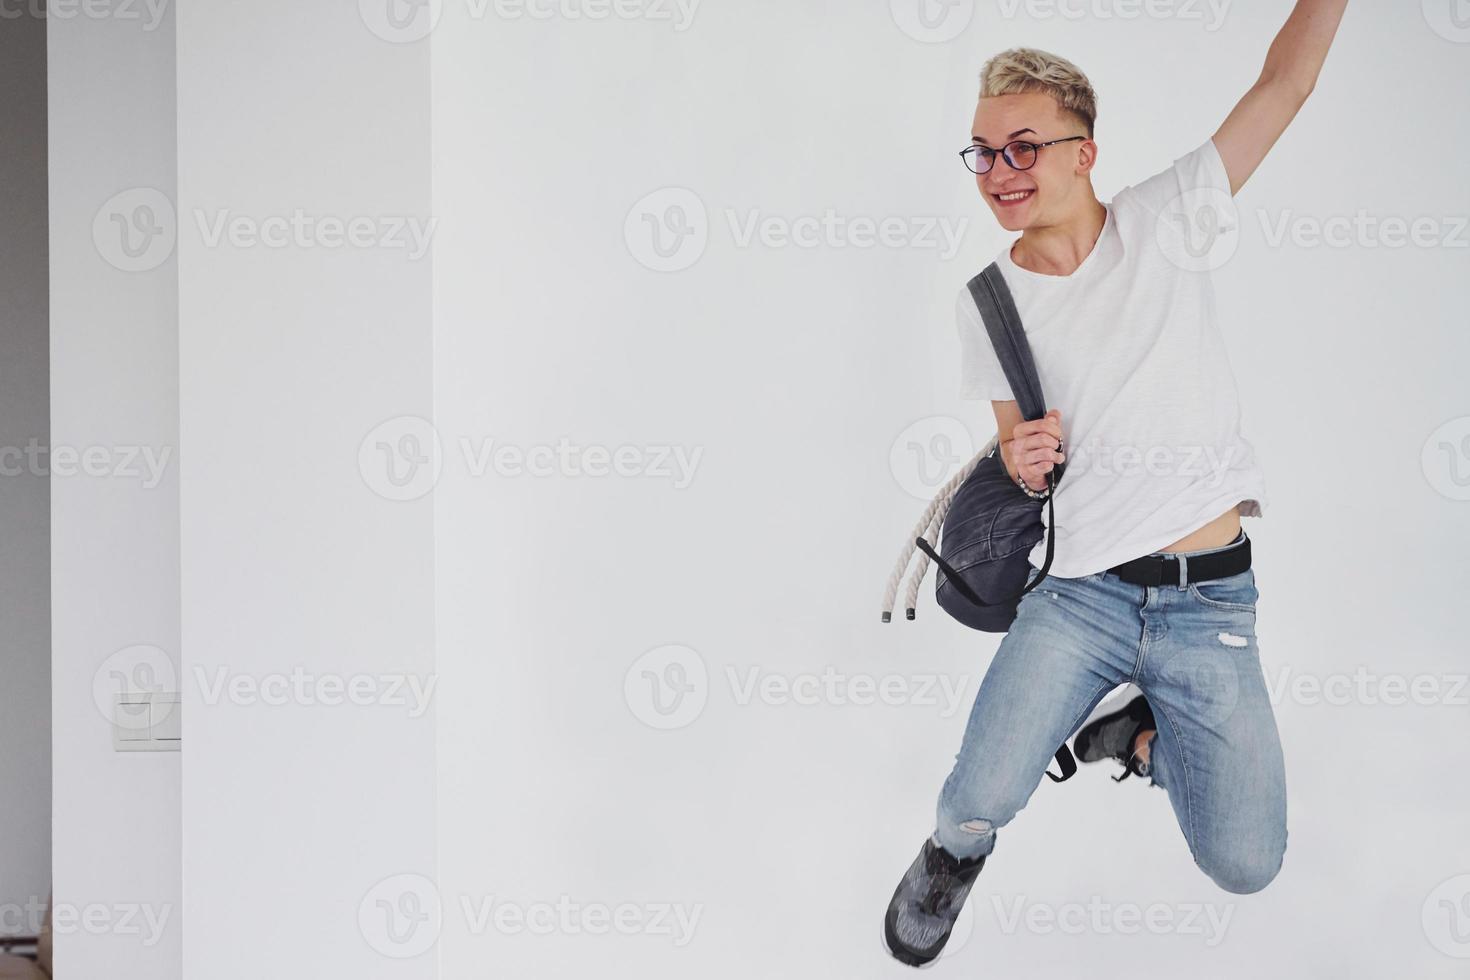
1219 532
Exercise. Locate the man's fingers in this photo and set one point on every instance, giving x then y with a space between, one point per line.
1047 426
1037 457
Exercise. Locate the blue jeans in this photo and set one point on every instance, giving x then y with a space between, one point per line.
1192 651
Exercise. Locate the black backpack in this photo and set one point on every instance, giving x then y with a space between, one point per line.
987 524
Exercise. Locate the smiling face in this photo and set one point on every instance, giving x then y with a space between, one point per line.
1057 185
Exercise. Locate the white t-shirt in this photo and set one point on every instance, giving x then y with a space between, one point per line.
1127 347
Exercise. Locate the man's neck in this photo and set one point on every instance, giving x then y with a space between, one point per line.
1057 250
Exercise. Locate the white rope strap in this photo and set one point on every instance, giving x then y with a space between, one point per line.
929 523
911 600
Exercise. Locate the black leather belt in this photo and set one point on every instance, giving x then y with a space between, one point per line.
1164 569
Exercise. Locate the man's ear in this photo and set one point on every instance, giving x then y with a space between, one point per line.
1087 156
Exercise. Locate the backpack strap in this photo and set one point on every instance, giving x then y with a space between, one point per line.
1003 322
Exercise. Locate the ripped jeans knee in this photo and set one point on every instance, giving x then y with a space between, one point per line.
966 826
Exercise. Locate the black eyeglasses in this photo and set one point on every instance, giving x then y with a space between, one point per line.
1018 153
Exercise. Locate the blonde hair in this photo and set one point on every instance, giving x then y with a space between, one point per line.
1030 70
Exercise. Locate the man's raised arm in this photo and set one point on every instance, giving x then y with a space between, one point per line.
1292 65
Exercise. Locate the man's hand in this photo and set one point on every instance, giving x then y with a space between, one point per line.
1031 452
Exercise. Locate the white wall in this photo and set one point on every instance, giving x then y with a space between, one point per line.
794 371
307 588
114 530
25 641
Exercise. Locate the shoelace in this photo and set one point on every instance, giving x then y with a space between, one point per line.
944 879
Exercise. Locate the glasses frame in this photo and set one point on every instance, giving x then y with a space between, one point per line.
1005 151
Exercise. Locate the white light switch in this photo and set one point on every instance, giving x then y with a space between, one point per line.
146 721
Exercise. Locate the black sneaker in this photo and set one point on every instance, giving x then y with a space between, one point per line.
927 902
1111 736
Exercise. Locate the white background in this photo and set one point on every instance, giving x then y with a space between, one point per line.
795 370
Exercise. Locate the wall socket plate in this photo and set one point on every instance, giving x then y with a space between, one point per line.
147 721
